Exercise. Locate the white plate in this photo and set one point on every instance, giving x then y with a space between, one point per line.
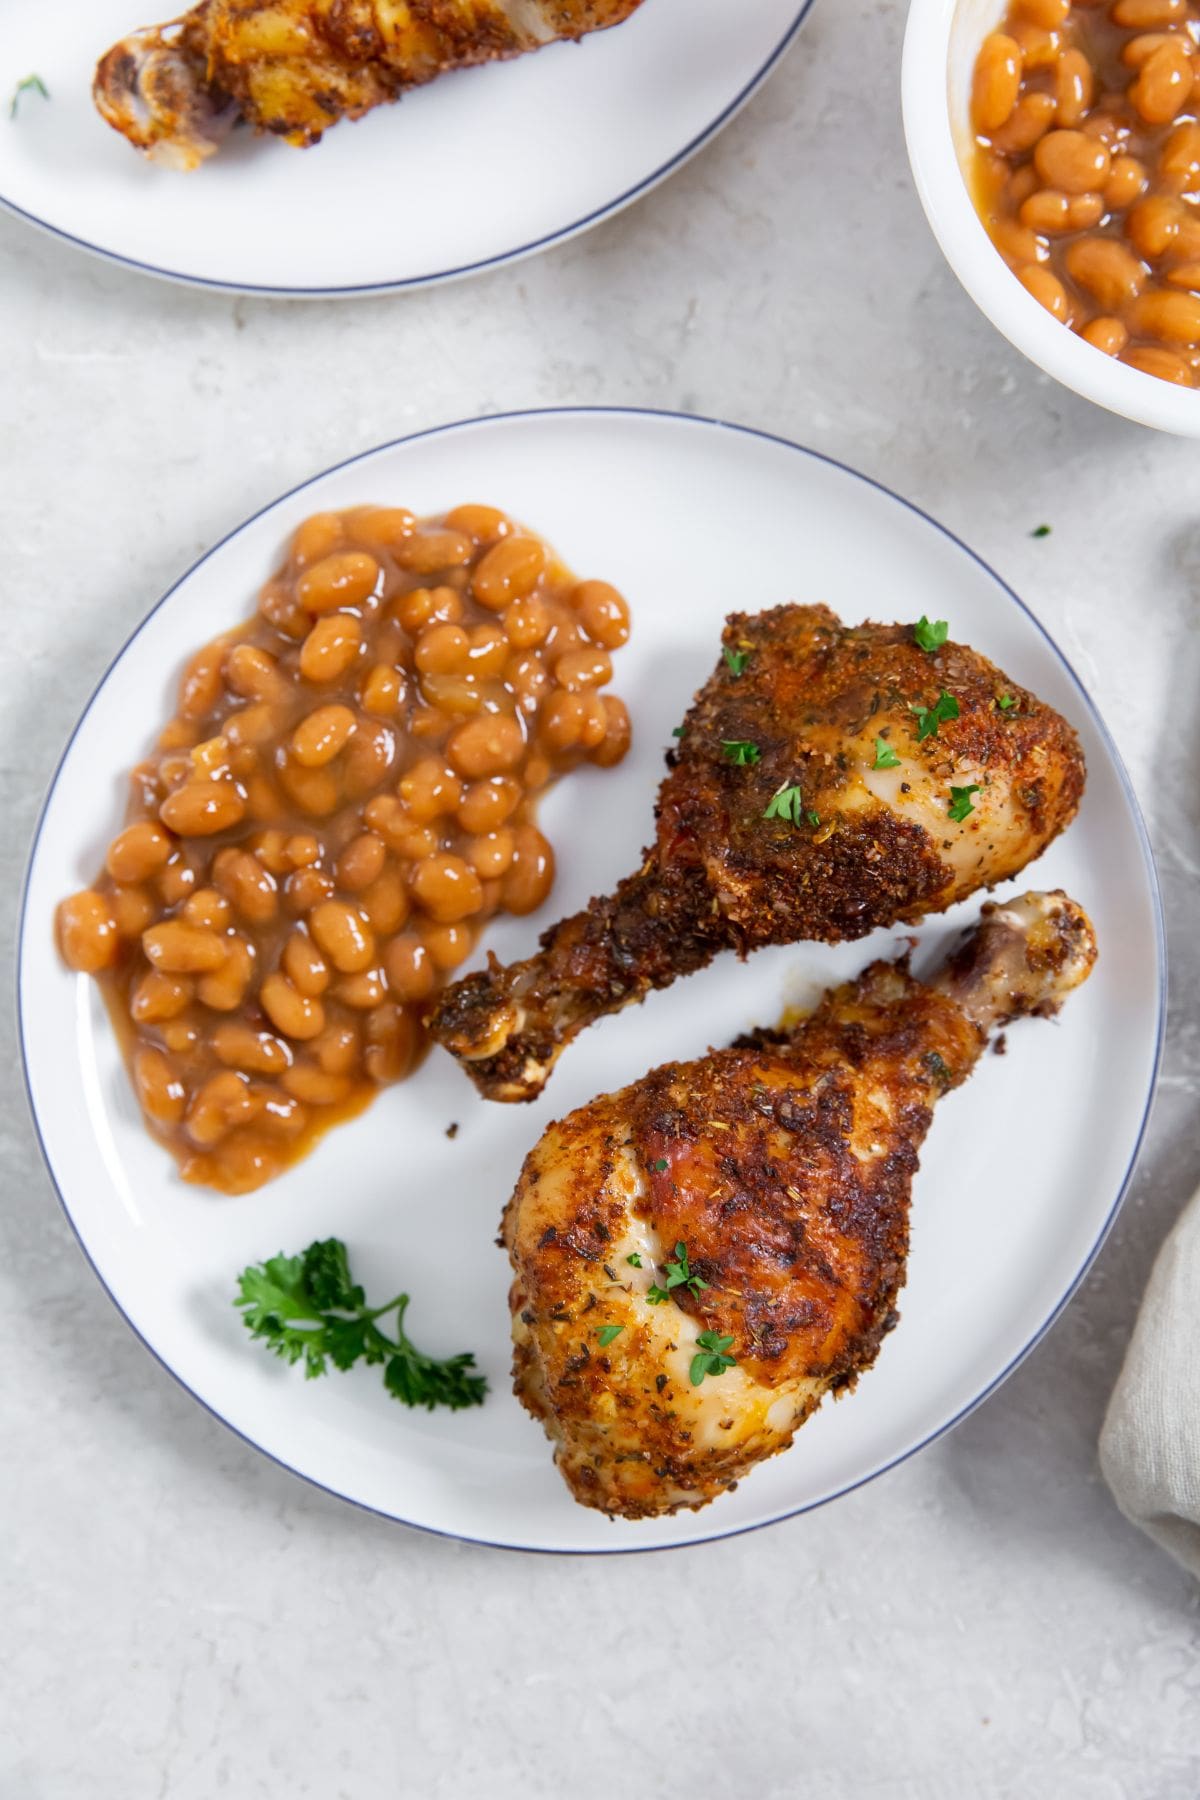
477 169
1024 1168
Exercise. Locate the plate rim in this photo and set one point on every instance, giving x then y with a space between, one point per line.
705 422
462 271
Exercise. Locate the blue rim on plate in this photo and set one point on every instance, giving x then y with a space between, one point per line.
1143 839
462 271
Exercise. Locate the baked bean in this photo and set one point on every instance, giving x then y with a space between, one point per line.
489 745
1152 360
1179 163
296 1015
1168 318
446 888
1111 274
382 692
1126 181
132 910
1047 212
430 789
509 571
385 902
361 862
487 804
138 851
343 934
531 876
997 82
1072 162
256 1052
344 579
183 949
1146 15
1018 243
362 991
225 988
1187 275
1163 84
160 1092
304 965
1049 14
1074 88
208 908
247 885
1153 225
299 874
1031 118
330 648
483 523
200 808
409 969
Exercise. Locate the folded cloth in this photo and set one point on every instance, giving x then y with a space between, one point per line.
1150 1444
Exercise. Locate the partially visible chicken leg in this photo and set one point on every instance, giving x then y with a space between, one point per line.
761 1196
295 67
810 797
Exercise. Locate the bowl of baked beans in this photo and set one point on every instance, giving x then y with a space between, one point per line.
1056 150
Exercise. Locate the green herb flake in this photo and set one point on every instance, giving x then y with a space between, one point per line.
660 1166
735 660
930 717
1041 531
885 756
740 751
930 636
711 1357
607 1333
634 1260
960 802
679 731
309 1308
1006 703
787 804
814 819
30 84
679 1274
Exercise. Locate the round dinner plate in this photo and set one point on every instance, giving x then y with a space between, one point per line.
1023 1170
480 167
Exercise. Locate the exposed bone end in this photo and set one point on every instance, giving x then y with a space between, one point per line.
1023 957
154 94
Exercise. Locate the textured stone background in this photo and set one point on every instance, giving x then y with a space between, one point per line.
181 1618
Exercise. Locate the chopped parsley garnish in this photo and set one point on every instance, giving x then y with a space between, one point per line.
960 801
814 819
711 1357
309 1307
634 1260
788 804
740 751
1041 531
679 1274
930 636
1006 703
736 660
660 1167
31 84
607 1333
930 717
679 731
885 756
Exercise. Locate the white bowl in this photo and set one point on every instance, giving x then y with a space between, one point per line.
940 47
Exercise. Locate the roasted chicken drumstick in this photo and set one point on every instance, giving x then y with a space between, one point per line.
295 67
700 1258
828 780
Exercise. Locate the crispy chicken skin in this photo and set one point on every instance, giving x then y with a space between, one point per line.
859 847
295 67
784 1167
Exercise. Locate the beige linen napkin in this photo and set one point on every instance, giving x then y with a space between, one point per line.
1150 1444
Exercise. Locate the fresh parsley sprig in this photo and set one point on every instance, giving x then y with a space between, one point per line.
1006 702
740 751
788 804
961 804
735 660
711 1357
308 1308
29 84
607 1334
930 635
945 707
885 756
679 1274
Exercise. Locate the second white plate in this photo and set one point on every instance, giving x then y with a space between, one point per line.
477 169
1023 1170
